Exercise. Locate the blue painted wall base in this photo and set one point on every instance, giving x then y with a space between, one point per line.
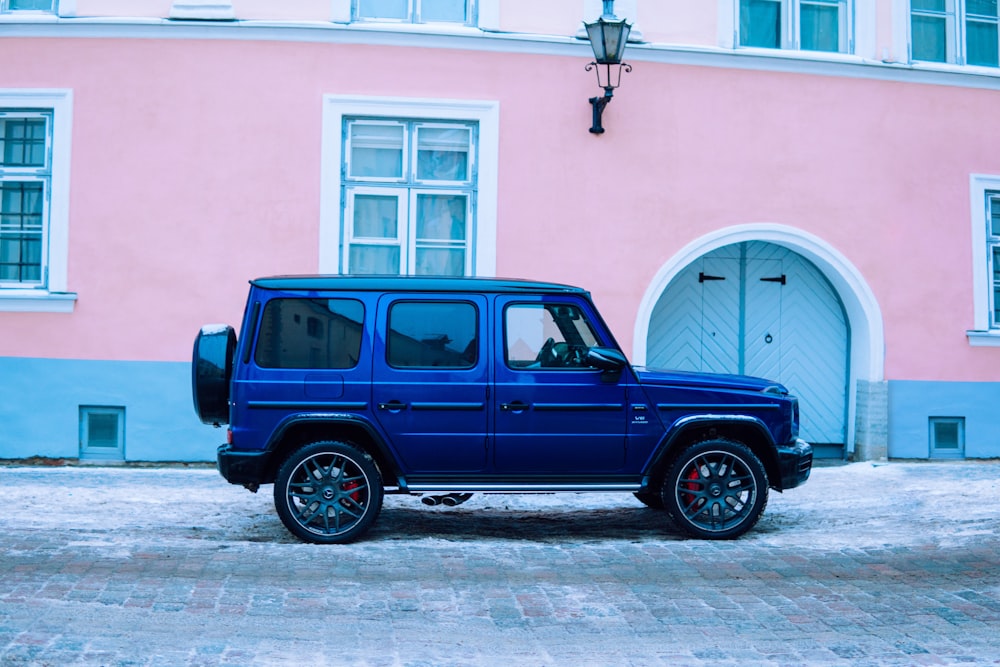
40 402
912 404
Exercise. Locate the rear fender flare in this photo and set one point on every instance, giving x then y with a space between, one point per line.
301 429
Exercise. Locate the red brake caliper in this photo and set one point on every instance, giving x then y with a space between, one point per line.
356 496
690 486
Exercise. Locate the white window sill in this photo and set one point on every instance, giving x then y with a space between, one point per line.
36 301
984 338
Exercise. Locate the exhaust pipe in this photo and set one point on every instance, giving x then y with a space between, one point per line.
448 499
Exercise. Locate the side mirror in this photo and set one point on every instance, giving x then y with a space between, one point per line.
606 358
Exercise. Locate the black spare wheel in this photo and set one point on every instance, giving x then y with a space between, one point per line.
211 371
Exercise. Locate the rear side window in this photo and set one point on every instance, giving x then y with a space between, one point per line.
432 334
310 333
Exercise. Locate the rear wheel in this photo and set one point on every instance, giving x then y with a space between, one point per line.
328 493
715 490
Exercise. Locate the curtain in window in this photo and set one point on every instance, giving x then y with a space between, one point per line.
383 9
376 218
929 30
21 231
376 150
452 11
443 154
441 232
760 23
981 33
821 25
36 5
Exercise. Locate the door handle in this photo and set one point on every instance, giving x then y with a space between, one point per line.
392 406
514 406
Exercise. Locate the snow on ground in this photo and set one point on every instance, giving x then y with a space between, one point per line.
860 505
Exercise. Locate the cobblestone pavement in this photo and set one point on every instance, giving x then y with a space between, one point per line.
176 567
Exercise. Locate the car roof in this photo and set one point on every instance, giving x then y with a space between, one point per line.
411 284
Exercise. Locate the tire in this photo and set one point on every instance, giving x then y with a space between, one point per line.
211 373
649 499
715 490
328 493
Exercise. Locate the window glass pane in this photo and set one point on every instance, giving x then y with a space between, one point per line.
310 333
982 47
376 217
23 141
21 231
374 259
38 5
432 335
820 27
995 216
929 5
760 23
441 217
929 38
443 10
376 151
546 335
981 8
102 429
383 9
443 153
439 261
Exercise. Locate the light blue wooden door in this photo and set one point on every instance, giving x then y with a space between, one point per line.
759 309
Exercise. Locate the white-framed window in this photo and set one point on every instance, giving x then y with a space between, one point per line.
415 11
964 32
9 6
985 207
993 258
409 197
408 186
807 25
34 199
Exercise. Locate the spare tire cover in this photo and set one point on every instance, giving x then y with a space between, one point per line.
211 372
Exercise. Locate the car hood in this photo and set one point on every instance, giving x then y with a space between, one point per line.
657 377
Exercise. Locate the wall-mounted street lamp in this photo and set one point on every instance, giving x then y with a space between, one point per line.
608 36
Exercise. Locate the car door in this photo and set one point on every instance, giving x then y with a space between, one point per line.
554 414
430 380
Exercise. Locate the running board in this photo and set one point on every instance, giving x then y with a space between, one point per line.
518 488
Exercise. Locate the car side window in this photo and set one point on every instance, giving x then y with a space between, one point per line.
546 335
432 334
310 333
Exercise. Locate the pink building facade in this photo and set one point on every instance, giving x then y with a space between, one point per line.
807 190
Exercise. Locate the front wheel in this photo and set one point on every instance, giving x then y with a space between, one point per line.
328 493
715 490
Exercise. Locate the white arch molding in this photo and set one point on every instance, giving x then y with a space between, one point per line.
867 357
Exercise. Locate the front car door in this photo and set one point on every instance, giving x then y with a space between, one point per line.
553 413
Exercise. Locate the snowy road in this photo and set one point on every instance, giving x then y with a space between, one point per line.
866 564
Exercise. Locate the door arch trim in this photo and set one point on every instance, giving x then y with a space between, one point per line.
864 316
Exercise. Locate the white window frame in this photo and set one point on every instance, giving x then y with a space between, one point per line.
90 452
984 332
791 27
52 294
413 14
481 260
956 46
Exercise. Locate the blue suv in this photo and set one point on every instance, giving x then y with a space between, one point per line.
341 389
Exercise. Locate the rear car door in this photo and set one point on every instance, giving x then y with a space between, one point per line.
430 380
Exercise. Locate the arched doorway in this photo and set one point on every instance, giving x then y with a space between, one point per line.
866 395
756 308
